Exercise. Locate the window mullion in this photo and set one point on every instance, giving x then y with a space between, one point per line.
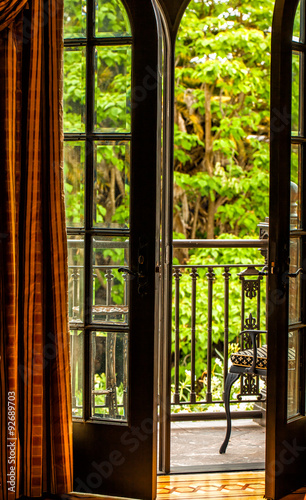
88 295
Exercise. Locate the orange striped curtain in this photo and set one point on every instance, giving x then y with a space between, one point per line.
35 393
9 10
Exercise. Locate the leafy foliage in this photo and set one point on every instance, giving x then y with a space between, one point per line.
111 158
222 118
221 156
221 178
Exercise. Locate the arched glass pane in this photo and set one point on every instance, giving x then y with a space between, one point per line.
111 19
298 27
75 19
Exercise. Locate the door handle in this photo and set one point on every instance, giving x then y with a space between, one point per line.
295 275
127 271
143 254
142 280
142 272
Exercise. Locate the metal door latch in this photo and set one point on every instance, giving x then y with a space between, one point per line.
295 275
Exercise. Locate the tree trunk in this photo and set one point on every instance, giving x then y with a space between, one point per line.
111 200
195 219
211 220
208 159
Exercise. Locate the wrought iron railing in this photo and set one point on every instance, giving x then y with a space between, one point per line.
212 304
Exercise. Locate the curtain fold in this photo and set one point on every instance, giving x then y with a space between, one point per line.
9 9
35 415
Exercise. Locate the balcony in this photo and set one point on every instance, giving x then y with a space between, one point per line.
214 299
212 304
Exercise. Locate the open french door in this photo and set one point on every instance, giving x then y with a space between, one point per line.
286 416
113 252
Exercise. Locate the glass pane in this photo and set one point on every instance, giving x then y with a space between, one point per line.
298 27
296 37
109 375
112 184
111 19
110 287
74 179
295 123
295 283
74 18
113 89
74 89
77 372
295 191
75 277
293 404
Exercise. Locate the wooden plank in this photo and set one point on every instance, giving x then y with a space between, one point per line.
244 485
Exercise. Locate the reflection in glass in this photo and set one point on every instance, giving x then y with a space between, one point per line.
113 89
110 287
111 19
74 179
77 372
295 283
75 278
297 35
74 89
293 403
109 375
295 111
75 19
112 184
295 191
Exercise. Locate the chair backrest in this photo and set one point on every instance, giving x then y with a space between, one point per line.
251 280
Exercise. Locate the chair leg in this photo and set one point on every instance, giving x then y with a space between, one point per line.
230 379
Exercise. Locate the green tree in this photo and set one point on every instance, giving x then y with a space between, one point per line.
111 169
221 141
222 117
112 84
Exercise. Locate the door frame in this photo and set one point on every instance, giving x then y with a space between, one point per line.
119 458
284 469
279 223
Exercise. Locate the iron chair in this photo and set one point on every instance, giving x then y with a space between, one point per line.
251 361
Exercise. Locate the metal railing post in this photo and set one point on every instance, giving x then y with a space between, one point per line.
226 276
176 397
194 276
210 276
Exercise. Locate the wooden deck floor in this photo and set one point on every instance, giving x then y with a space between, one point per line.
217 486
244 485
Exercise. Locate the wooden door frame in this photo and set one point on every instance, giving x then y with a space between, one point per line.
277 449
127 451
281 67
